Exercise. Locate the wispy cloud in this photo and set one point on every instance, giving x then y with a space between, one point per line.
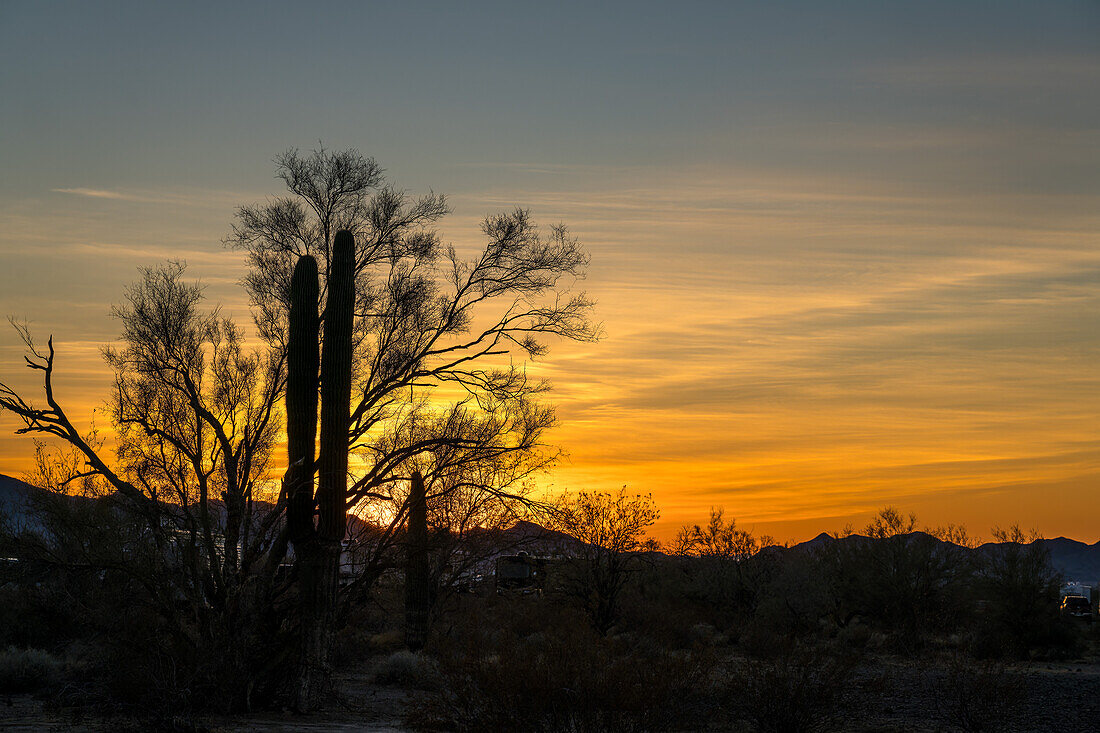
1004 71
174 197
799 346
98 193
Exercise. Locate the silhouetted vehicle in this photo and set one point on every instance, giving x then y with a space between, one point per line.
522 573
1076 607
469 582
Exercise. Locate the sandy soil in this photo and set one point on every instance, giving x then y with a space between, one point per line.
1059 697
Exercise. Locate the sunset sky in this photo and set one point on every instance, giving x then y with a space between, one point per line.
846 254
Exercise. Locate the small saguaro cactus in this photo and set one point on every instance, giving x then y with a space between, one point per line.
417 581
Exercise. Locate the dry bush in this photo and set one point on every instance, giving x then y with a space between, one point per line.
92 576
410 670
1019 586
797 690
28 670
977 695
564 679
855 636
658 605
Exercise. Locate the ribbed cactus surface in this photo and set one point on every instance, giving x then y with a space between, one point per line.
332 459
417 581
301 397
318 549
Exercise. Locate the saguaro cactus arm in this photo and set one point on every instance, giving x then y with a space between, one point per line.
301 398
332 461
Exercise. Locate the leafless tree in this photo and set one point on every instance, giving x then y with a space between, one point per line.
1016 578
611 528
723 562
439 385
195 418
896 576
440 339
720 538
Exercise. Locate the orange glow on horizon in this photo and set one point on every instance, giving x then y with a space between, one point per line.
800 358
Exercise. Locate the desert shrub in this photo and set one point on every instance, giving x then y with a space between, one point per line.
797 690
387 641
28 670
35 616
611 529
854 636
161 671
792 606
996 637
409 670
724 567
354 644
1018 616
762 640
901 580
977 695
93 573
659 606
564 679
704 634
776 622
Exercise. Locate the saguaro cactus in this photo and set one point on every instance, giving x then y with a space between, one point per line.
317 548
332 460
417 581
301 399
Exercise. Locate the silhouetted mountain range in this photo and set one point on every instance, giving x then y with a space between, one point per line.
536 539
15 503
13 492
1073 559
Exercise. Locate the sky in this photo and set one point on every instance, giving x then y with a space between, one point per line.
846 255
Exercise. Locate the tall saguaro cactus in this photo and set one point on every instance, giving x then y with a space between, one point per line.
332 461
301 399
317 547
417 581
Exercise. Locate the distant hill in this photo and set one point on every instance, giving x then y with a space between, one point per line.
15 501
1074 560
538 540
12 490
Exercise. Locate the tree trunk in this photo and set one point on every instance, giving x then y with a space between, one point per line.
318 579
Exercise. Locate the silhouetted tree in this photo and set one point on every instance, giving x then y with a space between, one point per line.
611 528
437 384
195 419
1020 588
724 564
439 339
892 574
